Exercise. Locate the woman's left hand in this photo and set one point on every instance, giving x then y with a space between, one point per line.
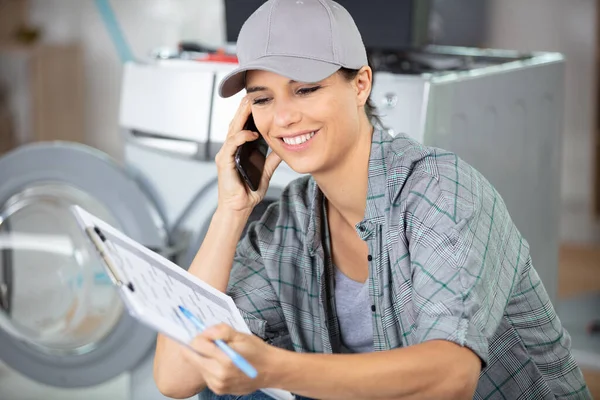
219 372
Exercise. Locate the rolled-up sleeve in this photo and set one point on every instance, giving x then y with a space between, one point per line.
464 252
251 289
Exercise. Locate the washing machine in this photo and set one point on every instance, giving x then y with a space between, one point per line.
64 333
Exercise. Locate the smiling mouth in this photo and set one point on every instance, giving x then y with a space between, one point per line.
298 140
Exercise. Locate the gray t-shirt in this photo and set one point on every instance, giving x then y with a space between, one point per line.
353 310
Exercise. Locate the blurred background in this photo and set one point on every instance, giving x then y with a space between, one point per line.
68 73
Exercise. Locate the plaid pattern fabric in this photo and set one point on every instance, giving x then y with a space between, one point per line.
446 263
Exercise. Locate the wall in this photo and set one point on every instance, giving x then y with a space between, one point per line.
146 24
567 27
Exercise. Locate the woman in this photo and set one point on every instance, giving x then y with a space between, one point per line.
392 270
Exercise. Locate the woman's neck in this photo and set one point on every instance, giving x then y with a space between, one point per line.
345 186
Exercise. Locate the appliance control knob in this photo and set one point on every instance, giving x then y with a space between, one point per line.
390 100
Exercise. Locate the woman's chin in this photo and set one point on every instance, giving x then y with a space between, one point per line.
301 166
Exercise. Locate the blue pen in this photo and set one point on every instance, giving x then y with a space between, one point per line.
237 359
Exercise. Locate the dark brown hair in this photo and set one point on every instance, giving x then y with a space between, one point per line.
370 108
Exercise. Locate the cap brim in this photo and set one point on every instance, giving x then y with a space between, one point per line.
295 68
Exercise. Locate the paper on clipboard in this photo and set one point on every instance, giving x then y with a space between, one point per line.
153 287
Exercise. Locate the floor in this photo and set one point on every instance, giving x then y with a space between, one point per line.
579 282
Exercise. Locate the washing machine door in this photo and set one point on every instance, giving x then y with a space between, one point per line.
62 322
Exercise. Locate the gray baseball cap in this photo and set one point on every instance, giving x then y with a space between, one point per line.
304 40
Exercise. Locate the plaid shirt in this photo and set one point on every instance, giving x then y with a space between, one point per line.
446 262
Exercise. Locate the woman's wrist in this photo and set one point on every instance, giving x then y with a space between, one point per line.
214 260
232 218
278 364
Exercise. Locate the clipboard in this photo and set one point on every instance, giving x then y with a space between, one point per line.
152 287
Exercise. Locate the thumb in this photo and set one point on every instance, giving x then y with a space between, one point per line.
271 164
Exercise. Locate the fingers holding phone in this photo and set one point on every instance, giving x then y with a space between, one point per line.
250 157
233 138
241 162
252 162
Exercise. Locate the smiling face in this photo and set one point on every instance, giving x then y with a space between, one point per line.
312 127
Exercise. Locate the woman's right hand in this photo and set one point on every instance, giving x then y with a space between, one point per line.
234 195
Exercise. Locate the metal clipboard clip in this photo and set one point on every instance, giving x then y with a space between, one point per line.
98 238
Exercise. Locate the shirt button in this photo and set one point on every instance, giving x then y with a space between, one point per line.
373 308
370 257
362 228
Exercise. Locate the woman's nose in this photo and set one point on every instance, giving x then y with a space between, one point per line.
286 115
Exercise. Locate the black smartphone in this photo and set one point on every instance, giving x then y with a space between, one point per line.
251 156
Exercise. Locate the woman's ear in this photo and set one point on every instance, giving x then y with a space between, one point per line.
363 81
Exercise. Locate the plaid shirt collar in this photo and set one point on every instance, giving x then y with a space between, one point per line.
376 202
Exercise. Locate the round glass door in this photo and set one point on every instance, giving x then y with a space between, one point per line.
54 292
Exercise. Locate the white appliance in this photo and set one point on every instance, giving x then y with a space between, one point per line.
499 111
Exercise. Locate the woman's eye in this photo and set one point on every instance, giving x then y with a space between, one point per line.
305 91
258 102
